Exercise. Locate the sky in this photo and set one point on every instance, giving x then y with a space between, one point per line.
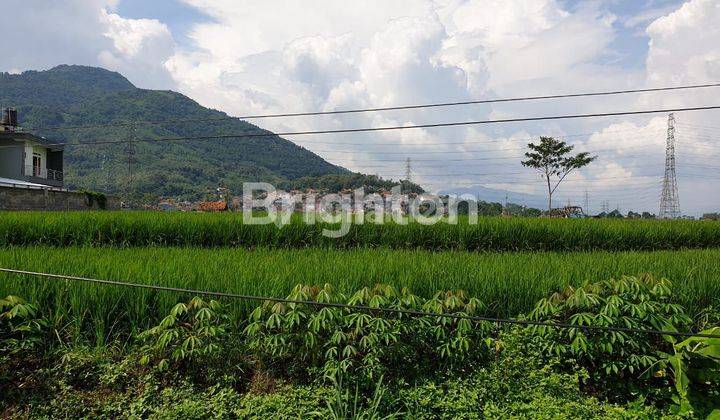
256 57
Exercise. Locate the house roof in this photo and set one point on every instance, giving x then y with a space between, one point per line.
21 135
212 206
16 183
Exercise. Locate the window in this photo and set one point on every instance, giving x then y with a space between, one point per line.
37 164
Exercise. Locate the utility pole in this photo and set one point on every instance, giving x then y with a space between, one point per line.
105 168
408 170
586 204
130 159
670 199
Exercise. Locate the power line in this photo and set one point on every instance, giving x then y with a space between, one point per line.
441 163
500 150
390 108
495 149
468 159
444 174
361 308
699 136
298 142
398 127
540 181
705 127
484 141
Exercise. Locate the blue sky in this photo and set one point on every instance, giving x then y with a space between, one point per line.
631 44
257 57
178 16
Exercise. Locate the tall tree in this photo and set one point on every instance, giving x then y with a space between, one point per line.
552 158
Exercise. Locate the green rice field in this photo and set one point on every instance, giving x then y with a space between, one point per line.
510 283
130 229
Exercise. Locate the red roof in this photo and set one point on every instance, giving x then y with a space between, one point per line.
212 206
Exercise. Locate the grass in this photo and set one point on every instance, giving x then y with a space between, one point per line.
510 282
127 229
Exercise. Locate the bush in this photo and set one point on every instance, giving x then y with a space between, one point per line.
21 328
193 338
95 197
519 383
23 343
370 344
431 367
640 303
695 365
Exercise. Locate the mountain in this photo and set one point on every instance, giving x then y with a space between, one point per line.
78 95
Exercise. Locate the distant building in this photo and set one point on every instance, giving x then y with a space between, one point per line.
212 206
167 206
27 160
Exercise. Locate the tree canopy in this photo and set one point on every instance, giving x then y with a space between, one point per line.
553 159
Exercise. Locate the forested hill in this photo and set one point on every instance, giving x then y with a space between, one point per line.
78 95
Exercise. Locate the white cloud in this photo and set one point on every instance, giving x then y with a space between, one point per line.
284 56
401 64
319 63
683 46
129 36
41 34
250 60
139 48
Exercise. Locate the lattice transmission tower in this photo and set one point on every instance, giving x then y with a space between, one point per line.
670 199
408 170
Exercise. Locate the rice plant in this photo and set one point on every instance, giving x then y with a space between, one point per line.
228 230
508 283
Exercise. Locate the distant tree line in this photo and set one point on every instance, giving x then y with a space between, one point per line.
486 208
334 183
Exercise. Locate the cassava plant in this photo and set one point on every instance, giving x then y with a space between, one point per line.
341 341
22 335
21 328
642 303
192 333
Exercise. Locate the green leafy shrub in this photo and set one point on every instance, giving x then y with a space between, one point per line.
184 400
192 334
340 341
21 328
695 365
520 383
642 303
22 350
95 197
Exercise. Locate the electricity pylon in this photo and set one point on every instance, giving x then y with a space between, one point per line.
670 199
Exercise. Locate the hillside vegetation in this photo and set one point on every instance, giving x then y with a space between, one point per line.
77 95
